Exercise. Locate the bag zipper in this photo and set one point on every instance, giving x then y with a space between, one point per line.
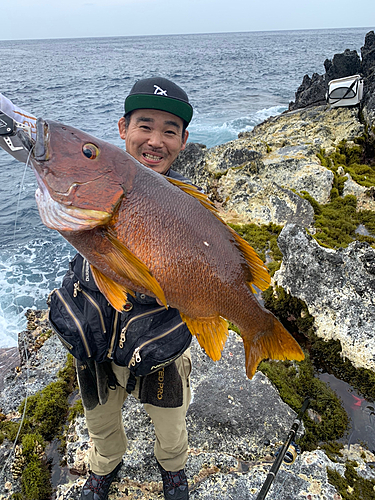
136 357
124 329
76 321
64 342
110 350
77 288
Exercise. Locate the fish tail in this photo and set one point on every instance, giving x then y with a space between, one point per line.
271 341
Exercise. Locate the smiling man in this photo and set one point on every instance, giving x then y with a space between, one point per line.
157 113
153 127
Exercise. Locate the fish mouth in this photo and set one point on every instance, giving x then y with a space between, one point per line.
65 218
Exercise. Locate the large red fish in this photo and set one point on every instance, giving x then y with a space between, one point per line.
144 232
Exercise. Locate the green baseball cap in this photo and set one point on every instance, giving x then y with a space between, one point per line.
159 93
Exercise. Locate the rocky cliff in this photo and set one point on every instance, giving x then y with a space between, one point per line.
235 427
263 177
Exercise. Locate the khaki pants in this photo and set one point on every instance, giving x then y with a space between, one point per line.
107 432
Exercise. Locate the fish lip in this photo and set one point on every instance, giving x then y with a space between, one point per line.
40 150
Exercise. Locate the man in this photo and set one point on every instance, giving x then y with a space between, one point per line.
157 113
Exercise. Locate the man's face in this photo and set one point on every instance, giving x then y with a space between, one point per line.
153 137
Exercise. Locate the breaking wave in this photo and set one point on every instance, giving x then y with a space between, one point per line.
212 134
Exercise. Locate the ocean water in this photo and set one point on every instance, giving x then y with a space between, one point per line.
234 81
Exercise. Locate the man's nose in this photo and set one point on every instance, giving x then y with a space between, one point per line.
155 139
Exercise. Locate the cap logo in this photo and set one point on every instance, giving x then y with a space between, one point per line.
160 91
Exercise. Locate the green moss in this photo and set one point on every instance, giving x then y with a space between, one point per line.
268 147
355 159
68 373
337 221
332 450
47 409
367 218
77 409
264 241
292 312
45 414
315 205
219 175
233 327
35 481
352 486
9 430
29 442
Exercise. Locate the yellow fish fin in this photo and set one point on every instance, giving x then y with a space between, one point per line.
115 294
274 343
259 273
195 193
211 334
124 263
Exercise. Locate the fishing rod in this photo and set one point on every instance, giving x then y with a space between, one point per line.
284 449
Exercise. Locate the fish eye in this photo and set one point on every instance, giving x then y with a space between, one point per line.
90 151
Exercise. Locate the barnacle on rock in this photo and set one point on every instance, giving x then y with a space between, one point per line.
19 462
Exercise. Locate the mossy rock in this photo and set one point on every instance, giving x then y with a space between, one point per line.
356 160
45 414
35 481
295 382
337 221
263 239
75 410
293 314
352 486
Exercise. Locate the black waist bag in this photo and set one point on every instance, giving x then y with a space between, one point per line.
150 337
144 337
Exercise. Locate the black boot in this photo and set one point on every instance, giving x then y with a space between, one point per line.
175 484
96 487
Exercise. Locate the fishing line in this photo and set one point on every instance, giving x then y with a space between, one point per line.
12 452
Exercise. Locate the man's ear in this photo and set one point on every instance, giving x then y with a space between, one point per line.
122 127
184 140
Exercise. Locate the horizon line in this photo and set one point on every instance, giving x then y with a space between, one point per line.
178 34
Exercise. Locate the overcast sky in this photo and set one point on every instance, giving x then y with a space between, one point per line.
22 19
